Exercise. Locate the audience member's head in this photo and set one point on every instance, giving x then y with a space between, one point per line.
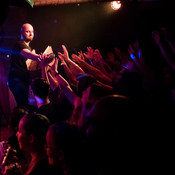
93 93
32 132
16 115
40 87
110 112
63 142
84 81
111 132
130 85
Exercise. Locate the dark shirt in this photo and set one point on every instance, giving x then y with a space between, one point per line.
56 112
43 168
18 62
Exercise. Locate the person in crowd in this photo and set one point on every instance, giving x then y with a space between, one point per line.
113 133
84 81
17 113
63 147
97 70
113 60
55 111
31 138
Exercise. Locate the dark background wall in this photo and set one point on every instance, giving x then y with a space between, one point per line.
87 24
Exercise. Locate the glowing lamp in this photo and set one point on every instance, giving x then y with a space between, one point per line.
115 5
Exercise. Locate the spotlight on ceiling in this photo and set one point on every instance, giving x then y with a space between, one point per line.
115 5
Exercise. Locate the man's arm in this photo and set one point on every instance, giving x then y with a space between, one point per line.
166 52
30 55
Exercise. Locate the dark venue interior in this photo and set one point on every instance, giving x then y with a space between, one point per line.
131 94
78 25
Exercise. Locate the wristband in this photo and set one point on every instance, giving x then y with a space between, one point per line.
56 74
49 71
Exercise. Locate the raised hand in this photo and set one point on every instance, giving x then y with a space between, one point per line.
65 54
76 58
138 59
89 54
162 39
47 59
97 55
135 53
54 66
81 55
156 36
126 61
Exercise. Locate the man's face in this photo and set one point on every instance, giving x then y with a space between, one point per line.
27 32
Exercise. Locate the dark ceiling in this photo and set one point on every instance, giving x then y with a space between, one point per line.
24 3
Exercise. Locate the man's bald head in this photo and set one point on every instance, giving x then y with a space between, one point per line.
27 32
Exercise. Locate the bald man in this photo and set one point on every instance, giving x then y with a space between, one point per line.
20 59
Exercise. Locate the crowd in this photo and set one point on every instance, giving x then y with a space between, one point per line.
99 114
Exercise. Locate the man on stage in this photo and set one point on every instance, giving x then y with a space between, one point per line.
19 64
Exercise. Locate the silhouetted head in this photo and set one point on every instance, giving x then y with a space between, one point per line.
109 114
84 81
111 134
32 132
16 116
40 87
62 144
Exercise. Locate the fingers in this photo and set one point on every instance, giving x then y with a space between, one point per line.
56 61
65 51
156 36
60 54
131 52
40 58
75 58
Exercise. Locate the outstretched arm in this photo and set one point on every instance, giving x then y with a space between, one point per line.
166 51
71 77
74 68
139 61
101 64
56 80
30 55
167 36
93 71
45 60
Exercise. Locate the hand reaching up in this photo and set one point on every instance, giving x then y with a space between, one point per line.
47 59
156 36
166 45
65 54
138 59
89 54
97 55
76 58
54 67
